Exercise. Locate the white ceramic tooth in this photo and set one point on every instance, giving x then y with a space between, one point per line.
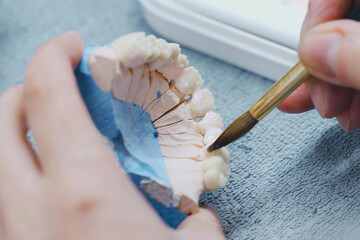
143 88
156 64
151 42
202 102
211 135
181 151
137 74
183 60
104 68
222 152
122 83
188 81
216 162
174 70
214 179
180 113
211 120
135 49
158 85
165 51
179 127
174 67
181 139
186 178
175 50
165 54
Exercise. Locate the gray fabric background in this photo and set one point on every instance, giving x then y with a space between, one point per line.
293 176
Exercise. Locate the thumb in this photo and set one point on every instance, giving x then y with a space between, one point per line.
331 52
203 225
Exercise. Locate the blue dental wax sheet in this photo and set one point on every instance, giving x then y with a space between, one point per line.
132 133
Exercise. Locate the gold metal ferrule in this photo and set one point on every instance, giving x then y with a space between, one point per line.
279 91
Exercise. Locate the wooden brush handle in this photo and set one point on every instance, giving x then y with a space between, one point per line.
287 84
279 91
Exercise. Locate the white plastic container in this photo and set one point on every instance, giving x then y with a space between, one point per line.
260 36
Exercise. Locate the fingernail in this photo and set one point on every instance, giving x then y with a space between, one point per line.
321 50
344 123
347 122
333 50
318 96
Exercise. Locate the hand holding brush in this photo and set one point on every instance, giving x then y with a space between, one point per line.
330 50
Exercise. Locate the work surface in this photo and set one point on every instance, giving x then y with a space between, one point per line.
293 176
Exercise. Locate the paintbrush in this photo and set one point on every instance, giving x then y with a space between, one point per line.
273 97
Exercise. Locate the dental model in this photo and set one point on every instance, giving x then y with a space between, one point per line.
154 75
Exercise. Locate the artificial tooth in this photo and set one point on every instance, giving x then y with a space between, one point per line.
175 50
211 120
222 152
175 65
189 81
214 179
135 49
202 102
183 60
104 68
165 54
211 135
151 42
216 162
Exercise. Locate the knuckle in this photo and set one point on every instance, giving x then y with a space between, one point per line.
36 86
12 91
8 96
83 196
85 204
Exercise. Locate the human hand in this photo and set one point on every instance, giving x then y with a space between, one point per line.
330 50
74 188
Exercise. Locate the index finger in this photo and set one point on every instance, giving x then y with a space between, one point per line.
72 151
320 11
61 125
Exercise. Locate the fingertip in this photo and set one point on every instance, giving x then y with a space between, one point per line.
349 119
212 211
72 43
206 217
205 224
328 51
320 11
299 101
68 45
329 100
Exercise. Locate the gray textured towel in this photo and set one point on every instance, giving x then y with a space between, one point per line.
293 176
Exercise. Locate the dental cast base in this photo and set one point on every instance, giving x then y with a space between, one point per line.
152 74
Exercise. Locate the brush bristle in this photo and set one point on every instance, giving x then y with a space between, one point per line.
238 128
